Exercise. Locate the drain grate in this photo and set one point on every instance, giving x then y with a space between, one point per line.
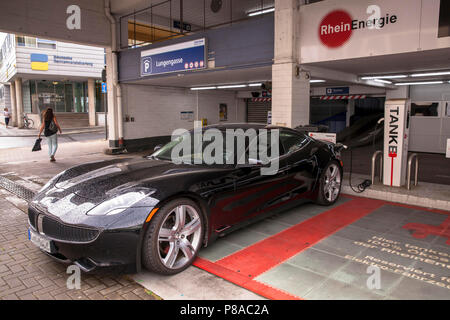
17 189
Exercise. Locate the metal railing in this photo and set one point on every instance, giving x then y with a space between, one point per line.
408 177
374 159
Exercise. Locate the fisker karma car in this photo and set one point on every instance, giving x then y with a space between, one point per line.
157 213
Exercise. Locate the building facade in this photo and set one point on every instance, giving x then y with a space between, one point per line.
44 73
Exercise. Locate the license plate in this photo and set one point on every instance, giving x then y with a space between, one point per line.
40 241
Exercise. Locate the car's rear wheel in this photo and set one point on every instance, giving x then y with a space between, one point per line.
330 184
173 237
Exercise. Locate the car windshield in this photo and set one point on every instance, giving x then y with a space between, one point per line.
182 149
217 146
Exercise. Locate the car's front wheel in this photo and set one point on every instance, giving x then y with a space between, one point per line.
330 184
173 237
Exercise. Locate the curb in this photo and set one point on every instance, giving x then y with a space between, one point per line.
64 134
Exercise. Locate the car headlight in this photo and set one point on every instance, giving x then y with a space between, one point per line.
119 203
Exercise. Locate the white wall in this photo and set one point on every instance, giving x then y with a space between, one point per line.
156 110
77 53
439 92
8 66
416 29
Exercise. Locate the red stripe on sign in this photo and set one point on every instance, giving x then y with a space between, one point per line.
242 281
270 252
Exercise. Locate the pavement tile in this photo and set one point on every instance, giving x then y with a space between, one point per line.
28 274
356 274
291 279
317 261
412 289
339 246
336 290
218 250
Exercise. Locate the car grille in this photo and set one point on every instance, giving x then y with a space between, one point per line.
59 231
32 215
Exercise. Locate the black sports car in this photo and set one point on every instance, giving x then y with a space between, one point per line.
151 211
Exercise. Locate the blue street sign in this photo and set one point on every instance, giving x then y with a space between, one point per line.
104 87
179 57
338 90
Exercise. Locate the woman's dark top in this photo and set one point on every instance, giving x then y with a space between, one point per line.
47 131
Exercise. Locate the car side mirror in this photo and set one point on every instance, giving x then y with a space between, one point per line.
340 146
157 147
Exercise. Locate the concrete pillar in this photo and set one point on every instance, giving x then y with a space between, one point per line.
12 92
19 102
92 102
112 118
290 85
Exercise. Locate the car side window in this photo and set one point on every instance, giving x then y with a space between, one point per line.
292 141
271 154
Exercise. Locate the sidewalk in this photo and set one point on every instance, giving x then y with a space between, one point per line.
425 194
15 132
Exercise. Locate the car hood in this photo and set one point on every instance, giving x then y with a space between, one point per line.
106 181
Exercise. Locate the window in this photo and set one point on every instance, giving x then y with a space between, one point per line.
424 109
292 141
447 108
23 41
46 44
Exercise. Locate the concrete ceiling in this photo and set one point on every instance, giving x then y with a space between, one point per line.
432 60
195 12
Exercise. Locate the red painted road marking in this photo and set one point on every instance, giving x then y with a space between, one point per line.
245 282
421 230
301 237
270 252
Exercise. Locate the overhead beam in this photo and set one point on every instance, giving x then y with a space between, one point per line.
329 74
48 19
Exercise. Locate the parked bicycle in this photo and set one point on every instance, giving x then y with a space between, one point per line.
27 122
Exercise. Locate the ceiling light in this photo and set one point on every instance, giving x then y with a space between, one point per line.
417 83
258 12
383 81
204 88
255 84
316 81
231 86
429 74
398 76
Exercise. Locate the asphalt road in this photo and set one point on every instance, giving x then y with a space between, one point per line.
19 142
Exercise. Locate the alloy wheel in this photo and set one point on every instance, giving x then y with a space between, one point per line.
179 236
332 184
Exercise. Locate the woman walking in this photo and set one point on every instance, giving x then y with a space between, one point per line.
7 116
50 127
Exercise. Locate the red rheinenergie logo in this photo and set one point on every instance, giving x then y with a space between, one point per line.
335 29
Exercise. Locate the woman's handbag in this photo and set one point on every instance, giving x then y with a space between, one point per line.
37 145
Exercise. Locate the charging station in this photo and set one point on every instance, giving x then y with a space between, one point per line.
396 137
